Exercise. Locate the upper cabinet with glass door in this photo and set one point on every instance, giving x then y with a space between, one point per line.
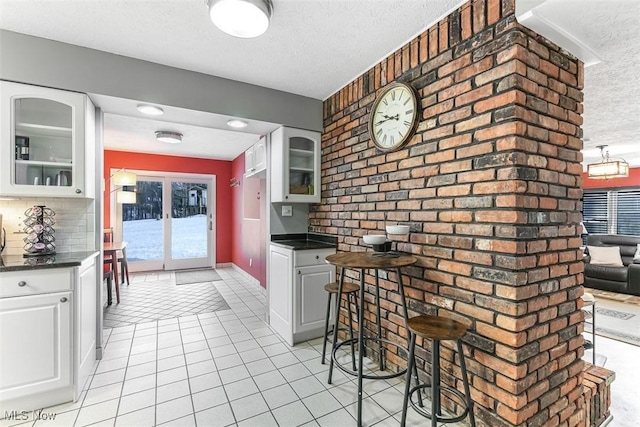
295 166
43 137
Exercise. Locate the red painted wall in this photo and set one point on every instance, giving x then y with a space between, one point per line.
633 180
154 162
249 236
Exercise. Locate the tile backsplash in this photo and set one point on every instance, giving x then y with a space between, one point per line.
74 227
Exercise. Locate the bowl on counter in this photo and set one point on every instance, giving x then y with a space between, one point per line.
397 229
374 239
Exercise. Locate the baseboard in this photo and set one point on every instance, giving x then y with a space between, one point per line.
249 277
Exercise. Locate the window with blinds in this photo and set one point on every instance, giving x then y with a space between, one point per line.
612 212
629 212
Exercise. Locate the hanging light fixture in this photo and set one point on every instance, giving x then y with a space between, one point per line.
608 168
169 136
241 18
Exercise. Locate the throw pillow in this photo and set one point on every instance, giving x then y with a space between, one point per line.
605 255
636 257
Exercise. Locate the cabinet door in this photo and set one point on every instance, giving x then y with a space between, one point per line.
36 344
249 162
43 137
260 155
310 297
295 160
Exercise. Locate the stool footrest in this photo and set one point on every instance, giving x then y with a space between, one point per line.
440 418
367 376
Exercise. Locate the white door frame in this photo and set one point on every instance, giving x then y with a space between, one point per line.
167 178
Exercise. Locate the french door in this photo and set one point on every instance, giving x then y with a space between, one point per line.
171 225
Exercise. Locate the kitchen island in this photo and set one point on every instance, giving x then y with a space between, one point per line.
48 317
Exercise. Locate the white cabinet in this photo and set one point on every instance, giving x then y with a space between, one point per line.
48 333
295 166
43 136
36 341
297 299
255 159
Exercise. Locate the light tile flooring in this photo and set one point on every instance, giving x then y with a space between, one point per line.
217 369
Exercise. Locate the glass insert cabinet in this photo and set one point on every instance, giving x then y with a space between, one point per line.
43 141
295 160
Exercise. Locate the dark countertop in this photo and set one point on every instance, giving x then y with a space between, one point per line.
20 263
304 241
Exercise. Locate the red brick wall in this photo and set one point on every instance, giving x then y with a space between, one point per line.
491 187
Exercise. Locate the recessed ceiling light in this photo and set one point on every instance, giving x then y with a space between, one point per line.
168 136
236 123
151 110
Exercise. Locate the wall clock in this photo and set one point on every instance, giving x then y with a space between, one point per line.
394 117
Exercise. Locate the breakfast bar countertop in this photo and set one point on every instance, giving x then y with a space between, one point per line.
304 241
20 263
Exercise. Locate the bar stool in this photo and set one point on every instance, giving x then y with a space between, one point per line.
351 290
437 329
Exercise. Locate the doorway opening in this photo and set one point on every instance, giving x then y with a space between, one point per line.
171 225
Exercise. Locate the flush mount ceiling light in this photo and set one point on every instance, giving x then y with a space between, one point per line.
168 136
608 168
237 123
151 110
241 18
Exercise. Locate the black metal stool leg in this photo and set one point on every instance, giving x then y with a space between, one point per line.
406 321
465 382
435 383
326 327
407 386
353 352
336 323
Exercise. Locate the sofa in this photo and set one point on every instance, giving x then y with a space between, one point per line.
623 279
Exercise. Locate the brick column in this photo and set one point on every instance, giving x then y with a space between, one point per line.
491 186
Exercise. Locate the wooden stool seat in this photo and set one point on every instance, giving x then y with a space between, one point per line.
346 287
436 328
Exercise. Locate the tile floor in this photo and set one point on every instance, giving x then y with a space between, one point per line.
220 368
155 296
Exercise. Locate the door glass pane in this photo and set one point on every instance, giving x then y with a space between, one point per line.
188 220
301 163
43 142
142 223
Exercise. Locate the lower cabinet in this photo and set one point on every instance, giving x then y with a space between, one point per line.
47 325
36 340
297 299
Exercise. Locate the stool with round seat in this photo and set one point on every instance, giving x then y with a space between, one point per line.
437 329
351 290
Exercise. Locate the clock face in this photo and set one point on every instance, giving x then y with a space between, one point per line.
393 117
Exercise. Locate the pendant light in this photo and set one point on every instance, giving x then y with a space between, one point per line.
241 18
607 168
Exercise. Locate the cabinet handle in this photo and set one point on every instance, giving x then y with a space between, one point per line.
22 283
317 256
63 299
286 197
298 272
78 191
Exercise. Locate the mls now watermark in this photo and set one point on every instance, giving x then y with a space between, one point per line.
27 415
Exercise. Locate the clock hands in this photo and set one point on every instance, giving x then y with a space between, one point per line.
386 118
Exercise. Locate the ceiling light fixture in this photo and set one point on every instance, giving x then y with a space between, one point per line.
241 18
608 168
237 123
168 136
151 110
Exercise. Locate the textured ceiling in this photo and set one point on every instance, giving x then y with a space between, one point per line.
315 47
611 30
